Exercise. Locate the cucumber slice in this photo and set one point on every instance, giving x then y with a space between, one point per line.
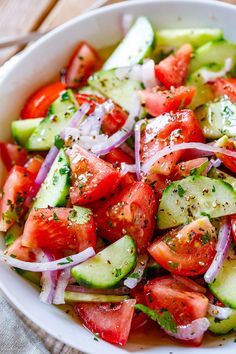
203 93
214 52
13 234
109 266
54 191
195 36
88 90
217 118
137 44
22 129
120 91
33 277
223 326
194 197
218 174
59 113
223 287
72 297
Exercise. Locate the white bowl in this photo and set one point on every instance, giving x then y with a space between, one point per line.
37 66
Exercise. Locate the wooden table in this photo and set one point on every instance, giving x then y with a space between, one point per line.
23 16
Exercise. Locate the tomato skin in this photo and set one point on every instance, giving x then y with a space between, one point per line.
34 164
173 70
93 100
229 162
184 304
114 120
21 252
110 322
139 318
158 101
227 87
51 229
12 154
131 212
39 102
15 191
99 178
83 62
183 169
188 251
117 156
233 226
169 129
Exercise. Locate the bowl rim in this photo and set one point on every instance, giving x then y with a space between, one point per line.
126 5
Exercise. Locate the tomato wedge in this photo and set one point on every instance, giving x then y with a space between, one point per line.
93 100
184 304
110 321
173 70
39 102
114 120
12 154
92 178
159 101
139 318
227 87
188 251
83 62
59 229
185 168
34 164
131 212
15 191
20 252
229 162
167 130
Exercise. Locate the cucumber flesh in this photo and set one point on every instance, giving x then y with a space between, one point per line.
54 191
223 287
194 197
13 233
120 91
214 52
72 297
218 174
88 90
203 93
60 113
22 129
137 44
109 266
33 277
223 326
195 36
217 118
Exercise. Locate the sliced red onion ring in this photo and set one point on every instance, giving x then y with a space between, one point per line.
126 22
126 168
48 266
222 313
136 276
62 282
48 279
92 124
209 75
52 154
189 283
213 163
194 330
137 138
184 146
148 74
80 289
123 134
222 248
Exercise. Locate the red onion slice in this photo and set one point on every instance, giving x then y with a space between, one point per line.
148 74
48 266
48 279
184 146
194 330
62 282
136 276
137 137
81 289
222 313
213 163
222 248
126 168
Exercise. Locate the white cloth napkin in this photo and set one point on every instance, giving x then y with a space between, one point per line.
18 335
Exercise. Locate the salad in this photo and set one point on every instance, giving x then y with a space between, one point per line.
120 194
